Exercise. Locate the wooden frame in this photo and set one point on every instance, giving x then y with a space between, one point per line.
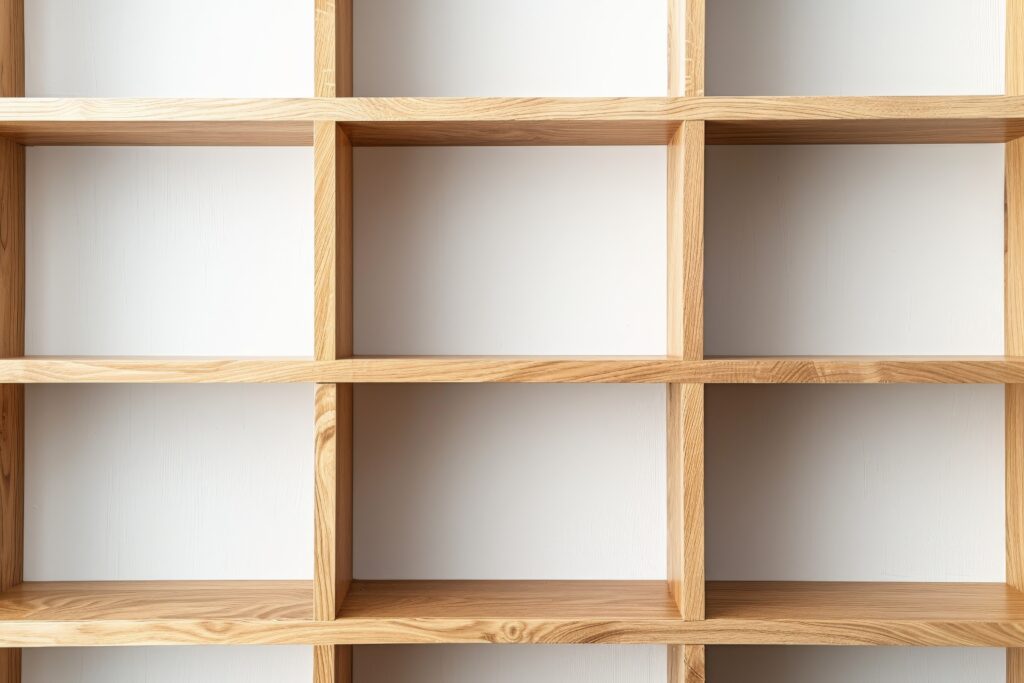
332 334
336 610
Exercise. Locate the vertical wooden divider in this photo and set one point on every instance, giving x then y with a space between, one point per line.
1014 327
685 402
333 339
12 313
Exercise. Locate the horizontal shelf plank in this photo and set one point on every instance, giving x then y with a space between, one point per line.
512 121
519 369
380 612
844 613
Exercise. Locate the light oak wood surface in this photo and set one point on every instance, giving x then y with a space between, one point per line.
1013 322
514 121
518 369
250 612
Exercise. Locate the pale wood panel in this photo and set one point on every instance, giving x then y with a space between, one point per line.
1014 326
114 600
686 664
525 369
332 663
332 571
325 235
686 242
140 613
333 52
515 121
685 478
685 402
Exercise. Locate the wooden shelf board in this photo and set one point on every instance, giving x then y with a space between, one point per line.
519 369
378 612
512 121
841 613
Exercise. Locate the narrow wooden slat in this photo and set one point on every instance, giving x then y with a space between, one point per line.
686 664
685 479
333 52
519 369
514 121
12 48
333 333
686 242
12 344
686 48
1014 326
685 402
381 612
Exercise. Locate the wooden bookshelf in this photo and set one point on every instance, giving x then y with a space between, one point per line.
336 610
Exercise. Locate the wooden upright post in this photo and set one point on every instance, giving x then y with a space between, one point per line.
685 404
332 336
1014 327
12 315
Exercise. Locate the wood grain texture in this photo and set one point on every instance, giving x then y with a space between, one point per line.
116 600
686 664
333 48
333 498
695 54
1014 403
12 336
1014 326
686 242
332 664
12 48
518 369
1015 47
837 613
685 402
685 482
514 121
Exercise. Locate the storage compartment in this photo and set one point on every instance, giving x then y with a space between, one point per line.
162 251
537 250
186 48
145 482
855 483
509 482
260 664
866 47
854 250
783 664
491 48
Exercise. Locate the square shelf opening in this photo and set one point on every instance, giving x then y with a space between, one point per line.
530 48
187 48
210 256
508 663
208 664
570 488
220 474
868 47
578 270
854 250
781 664
855 484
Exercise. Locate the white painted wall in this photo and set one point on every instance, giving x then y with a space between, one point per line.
512 251
867 47
855 664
